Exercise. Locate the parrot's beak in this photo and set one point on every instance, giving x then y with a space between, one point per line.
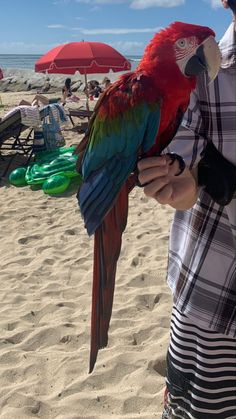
207 58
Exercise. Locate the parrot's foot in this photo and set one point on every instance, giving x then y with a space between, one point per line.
174 157
136 179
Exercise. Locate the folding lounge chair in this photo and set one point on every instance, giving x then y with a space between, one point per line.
12 140
11 130
81 114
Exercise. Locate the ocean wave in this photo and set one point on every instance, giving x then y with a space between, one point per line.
27 61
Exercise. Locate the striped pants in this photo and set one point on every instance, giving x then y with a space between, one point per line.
201 373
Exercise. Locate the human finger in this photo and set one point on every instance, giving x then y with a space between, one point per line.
154 187
147 175
149 162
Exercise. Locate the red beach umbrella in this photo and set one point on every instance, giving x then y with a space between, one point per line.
84 57
1 74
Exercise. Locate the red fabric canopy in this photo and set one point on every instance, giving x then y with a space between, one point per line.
85 57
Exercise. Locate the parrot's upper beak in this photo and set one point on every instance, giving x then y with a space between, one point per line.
207 58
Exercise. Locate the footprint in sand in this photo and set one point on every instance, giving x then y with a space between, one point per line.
72 232
17 338
28 239
147 300
159 366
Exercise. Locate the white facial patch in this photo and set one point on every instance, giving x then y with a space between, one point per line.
184 49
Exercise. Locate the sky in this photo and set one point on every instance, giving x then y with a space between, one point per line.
36 26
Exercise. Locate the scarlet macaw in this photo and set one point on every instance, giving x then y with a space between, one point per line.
137 116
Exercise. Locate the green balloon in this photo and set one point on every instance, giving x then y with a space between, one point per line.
55 184
17 177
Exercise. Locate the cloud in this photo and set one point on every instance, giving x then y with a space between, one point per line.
23 48
58 2
128 47
137 4
215 4
115 31
103 1
145 4
56 26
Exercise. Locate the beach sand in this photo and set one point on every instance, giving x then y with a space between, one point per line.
45 302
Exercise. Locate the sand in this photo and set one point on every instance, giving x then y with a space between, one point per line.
45 302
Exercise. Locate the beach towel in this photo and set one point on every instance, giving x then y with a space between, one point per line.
30 116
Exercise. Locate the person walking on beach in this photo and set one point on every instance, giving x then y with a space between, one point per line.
201 358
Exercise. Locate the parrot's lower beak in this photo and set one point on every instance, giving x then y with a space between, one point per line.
206 58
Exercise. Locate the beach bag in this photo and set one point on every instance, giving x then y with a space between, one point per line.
38 141
52 132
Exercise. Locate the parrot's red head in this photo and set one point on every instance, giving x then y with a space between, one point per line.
182 50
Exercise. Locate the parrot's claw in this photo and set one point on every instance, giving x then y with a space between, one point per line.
174 157
137 183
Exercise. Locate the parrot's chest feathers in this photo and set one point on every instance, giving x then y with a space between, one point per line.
170 108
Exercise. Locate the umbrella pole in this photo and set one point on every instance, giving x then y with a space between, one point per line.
86 90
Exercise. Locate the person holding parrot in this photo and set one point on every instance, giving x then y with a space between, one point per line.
201 358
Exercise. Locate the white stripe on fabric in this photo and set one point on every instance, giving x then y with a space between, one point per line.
222 400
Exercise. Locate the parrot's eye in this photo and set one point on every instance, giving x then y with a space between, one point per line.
181 43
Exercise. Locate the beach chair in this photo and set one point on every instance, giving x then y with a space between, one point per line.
12 141
82 114
11 130
15 138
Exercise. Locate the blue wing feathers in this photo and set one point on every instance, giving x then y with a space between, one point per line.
96 183
151 130
111 156
98 192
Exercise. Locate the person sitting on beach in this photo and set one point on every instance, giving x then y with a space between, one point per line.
66 90
94 89
39 100
106 83
67 95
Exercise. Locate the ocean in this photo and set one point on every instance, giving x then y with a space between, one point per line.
27 61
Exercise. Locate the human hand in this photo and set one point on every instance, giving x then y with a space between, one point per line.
159 180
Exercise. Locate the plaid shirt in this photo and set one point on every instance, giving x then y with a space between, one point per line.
202 248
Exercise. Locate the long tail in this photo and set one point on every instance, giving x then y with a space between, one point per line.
107 245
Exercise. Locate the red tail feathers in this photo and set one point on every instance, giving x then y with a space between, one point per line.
107 245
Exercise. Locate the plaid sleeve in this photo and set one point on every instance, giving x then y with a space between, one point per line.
191 136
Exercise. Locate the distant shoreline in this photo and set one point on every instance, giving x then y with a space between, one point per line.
19 74
27 61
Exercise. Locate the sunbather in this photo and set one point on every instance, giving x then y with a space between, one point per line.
67 95
106 83
39 100
66 90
